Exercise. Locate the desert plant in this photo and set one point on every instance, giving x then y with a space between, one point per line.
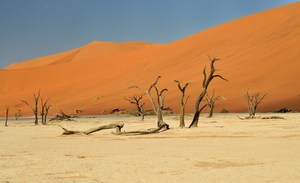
205 84
183 102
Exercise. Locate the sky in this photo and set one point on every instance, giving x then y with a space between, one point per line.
34 28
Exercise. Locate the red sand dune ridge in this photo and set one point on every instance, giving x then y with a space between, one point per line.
259 52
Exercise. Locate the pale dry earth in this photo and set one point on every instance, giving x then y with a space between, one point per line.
223 149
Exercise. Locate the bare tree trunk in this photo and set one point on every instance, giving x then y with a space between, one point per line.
196 117
142 113
47 107
182 102
197 110
205 84
211 111
43 110
6 119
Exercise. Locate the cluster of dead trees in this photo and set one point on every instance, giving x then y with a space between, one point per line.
158 104
45 107
156 97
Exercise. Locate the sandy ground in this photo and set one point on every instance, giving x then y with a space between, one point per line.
223 149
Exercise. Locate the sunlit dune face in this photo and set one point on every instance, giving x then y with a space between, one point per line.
258 53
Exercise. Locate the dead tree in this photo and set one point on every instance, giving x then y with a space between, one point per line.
253 100
183 102
205 84
35 107
18 114
43 110
210 101
6 116
135 100
158 106
47 108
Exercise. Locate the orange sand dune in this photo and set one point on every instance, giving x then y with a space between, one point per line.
259 53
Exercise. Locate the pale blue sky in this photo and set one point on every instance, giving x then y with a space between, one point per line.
33 28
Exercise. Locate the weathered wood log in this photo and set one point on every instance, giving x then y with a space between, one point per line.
159 129
118 127
273 117
62 117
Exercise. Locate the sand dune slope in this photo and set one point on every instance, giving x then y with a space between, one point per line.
259 53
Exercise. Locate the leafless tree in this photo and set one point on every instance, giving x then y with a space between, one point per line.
47 108
43 110
6 116
18 114
205 84
136 100
210 101
183 102
253 100
158 106
34 108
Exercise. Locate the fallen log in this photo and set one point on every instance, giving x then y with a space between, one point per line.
266 117
159 129
273 117
118 127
